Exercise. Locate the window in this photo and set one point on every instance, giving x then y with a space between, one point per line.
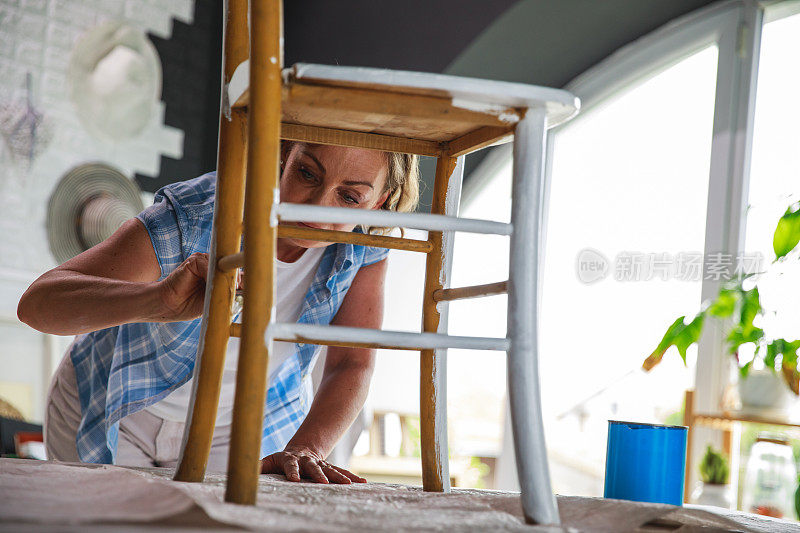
775 169
629 182
774 184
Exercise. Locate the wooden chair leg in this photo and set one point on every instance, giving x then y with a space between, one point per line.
433 365
221 286
538 501
688 421
259 249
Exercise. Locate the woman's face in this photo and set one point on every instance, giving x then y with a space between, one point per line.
332 176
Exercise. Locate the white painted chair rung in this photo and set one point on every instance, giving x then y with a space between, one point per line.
381 218
378 338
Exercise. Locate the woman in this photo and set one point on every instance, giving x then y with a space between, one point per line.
121 394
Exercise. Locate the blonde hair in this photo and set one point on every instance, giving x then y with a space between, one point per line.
402 182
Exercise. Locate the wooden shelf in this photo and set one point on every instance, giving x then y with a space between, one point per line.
724 421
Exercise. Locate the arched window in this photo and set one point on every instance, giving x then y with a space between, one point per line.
650 182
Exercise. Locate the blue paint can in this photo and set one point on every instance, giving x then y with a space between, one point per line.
645 462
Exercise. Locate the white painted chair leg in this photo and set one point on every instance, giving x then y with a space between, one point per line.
433 365
538 501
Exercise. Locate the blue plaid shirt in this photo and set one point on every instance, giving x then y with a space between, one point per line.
123 369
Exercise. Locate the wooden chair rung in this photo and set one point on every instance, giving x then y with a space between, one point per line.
233 261
477 139
472 291
362 239
360 139
230 262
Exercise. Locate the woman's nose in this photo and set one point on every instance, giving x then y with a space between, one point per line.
322 196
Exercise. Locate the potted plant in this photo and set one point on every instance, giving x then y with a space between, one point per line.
739 305
714 473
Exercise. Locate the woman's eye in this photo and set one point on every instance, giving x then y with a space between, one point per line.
350 199
307 175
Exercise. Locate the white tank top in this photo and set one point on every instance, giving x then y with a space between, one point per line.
292 283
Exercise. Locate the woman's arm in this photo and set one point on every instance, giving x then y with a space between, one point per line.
114 283
341 394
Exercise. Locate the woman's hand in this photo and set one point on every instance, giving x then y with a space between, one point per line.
298 462
182 292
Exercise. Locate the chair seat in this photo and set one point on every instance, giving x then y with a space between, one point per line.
435 111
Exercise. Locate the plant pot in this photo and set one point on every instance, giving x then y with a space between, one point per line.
713 494
763 391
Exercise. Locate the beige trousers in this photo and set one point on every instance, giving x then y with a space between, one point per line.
144 439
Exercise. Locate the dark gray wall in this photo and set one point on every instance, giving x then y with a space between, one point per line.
421 35
190 63
549 43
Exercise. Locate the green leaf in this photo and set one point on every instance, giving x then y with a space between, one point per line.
668 340
745 369
787 233
751 307
772 354
787 349
739 336
788 368
680 335
744 331
689 335
725 304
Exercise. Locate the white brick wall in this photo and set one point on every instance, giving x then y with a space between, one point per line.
37 36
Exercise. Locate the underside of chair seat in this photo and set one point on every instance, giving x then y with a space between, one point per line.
438 109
